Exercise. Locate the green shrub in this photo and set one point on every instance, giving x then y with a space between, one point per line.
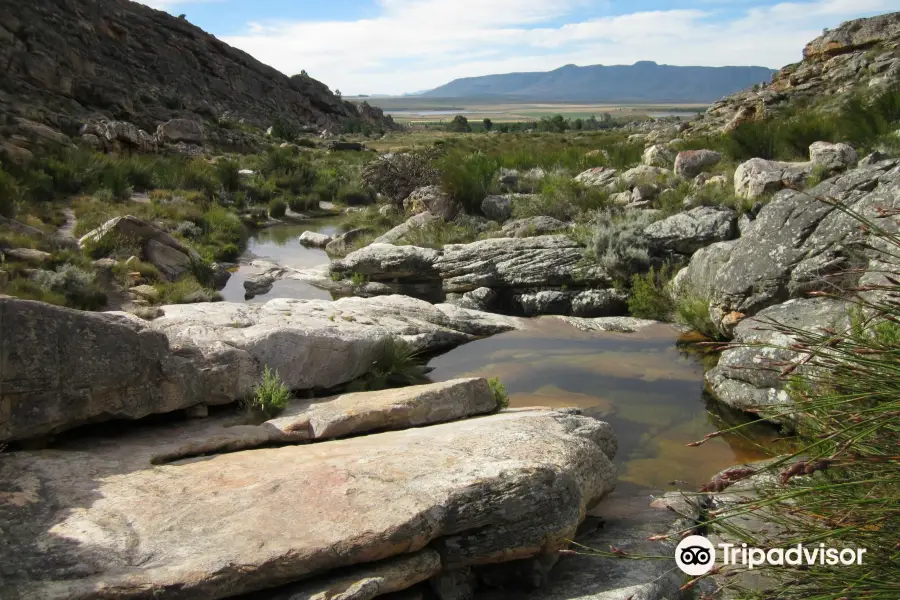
398 364
186 290
77 286
9 194
277 208
693 311
468 178
117 185
650 298
619 243
284 128
228 173
499 392
270 395
302 204
28 289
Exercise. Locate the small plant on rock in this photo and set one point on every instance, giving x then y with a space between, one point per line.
499 392
270 396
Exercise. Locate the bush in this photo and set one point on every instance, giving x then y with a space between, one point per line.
398 364
619 243
285 129
277 208
303 204
468 178
228 173
76 285
693 311
397 176
499 392
186 290
459 124
270 395
9 194
649 297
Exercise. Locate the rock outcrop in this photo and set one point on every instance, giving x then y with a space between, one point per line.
798 244
62 368
687 232
67 62
860 54
88 519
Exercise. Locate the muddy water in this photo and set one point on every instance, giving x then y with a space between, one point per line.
642 383
280 245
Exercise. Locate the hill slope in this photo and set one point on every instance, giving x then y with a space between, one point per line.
641 82
859 54
66 61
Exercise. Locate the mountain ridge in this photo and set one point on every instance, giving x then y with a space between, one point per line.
644 81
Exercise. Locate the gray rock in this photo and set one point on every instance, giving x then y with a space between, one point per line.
585 303
548 302
758 345
483 299
615 324
343 243
313 239
385 262
644 192
26 255
645 174
800 244
504 487
604 177
532 226
758 177
698 279
874 157
399 232
434 200
658 156
454 585
499 208
544 261
120 367
685 233
690 163
166 253
832 157
181 130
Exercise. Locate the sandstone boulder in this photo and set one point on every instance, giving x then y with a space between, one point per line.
758 177
690 163
645 174
658 155
180 130
832 157
26 255
166 253
387 262
687 232
434 200
117 366
312 239
399 232
505 487
585 303
604 177
499 208
533 226
342 244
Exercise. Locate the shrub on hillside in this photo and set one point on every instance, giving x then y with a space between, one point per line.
277 208
619 243
9 194
468 178
228 172
79 287
398 175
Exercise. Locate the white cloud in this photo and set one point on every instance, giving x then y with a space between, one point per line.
420 44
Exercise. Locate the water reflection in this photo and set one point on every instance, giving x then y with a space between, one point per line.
281 245
642 383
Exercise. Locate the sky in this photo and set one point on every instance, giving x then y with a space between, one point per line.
403 46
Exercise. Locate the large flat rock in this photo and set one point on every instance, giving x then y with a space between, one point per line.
60 368
94 519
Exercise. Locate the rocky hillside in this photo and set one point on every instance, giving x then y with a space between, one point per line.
863 53
70 61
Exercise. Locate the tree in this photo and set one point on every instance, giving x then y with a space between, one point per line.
488 124
337 93
459 124
578 124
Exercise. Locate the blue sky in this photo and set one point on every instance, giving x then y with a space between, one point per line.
397 46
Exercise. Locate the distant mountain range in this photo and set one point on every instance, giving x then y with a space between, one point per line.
643 81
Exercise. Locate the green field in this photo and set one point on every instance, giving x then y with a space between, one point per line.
413 109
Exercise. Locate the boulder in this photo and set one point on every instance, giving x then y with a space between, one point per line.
645 174
115 135
181 130
604 177
585 303
385 262
832 157
26 255
434 200
504 487
658 155
532 226
313 239
399 232
690 163
685 233
758 177
120 367
747 376
499 208
484 299
166 253
550 260
644 192
342 244
612 324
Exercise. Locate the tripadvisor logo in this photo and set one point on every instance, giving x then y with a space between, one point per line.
696 555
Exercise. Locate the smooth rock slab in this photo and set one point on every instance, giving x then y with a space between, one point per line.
687 232
95 520
60 368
